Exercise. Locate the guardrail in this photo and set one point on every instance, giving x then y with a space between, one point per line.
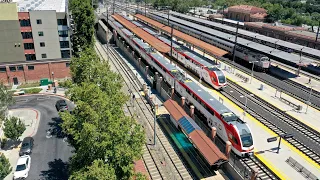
306 173
244 78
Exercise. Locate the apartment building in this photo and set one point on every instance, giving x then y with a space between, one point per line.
33 32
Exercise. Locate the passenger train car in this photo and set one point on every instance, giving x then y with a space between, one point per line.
259 60
229 126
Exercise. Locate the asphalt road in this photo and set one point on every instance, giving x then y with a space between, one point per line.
50 155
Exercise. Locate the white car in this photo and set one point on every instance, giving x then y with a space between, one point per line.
23 167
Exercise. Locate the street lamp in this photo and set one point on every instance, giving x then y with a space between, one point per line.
252 69
245 105
275 44
310 93
299 65
283 136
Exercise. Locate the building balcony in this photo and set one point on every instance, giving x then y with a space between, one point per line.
27 40
29 51
62 28
64 39
26 29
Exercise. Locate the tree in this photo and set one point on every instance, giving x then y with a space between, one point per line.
140 176
6 100
13 128
5 168
97 171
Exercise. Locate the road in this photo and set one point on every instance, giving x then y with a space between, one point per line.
50 154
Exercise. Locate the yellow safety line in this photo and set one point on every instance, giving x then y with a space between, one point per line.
278 173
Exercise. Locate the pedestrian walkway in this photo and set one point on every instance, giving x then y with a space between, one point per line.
31 118
272 96
289 73
267 152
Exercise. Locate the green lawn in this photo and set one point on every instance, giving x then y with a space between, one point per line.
27 85
32 90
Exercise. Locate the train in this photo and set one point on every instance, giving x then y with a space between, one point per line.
261 61
229 126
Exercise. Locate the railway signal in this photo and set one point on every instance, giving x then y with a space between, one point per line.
283 136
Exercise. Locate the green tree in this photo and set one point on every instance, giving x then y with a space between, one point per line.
97 171
6 100
5 168
13 128
140 176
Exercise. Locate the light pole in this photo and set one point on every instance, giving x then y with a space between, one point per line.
310 93
283 136
275 44
234 47
252 69
300 61
245 105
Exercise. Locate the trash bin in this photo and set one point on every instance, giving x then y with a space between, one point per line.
44 82
261 87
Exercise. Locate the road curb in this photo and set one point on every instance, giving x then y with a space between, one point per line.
47 94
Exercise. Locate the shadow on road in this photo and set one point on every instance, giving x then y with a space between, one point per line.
58 170
55 128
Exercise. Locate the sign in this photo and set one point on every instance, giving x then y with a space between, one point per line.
5 1
272 139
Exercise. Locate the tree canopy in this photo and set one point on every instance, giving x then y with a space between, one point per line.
6 100
5 168
13 128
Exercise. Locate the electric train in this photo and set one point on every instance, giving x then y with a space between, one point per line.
229 126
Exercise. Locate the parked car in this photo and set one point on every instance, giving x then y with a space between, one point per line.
61 105
23 167
26 147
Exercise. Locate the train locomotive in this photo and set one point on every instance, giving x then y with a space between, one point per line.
260 61
229 126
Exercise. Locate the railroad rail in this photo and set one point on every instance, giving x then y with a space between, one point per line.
163 156
305 139
263 171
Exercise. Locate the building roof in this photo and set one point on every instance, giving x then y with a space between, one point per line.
195 134
247 9
258 15
207 47
40 5
151 40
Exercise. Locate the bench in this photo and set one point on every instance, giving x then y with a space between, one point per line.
296 107
306 173
244 78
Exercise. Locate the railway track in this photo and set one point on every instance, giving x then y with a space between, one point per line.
160 159
263 172
305 138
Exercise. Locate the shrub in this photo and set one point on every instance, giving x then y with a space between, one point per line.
32 90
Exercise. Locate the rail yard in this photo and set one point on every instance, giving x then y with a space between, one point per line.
213 106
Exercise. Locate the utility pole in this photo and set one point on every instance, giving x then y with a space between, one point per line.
113 6
234 47
317 32
171 39
145 8
168 16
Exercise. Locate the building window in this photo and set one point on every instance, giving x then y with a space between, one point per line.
63 33
65 54
39 21
28 46
30 57
42 44
25 23
62 22
12 68
67 64
44 55
20 68
64 44
30 67
26 35
3 69
40 33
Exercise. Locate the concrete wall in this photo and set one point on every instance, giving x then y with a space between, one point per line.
11 46
49 27
41 70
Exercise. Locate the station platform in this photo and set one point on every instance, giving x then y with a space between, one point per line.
272 96
290 73
267 152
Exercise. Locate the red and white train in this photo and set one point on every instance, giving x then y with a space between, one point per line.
229 126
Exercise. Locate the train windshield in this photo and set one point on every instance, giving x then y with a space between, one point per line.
229 117
222 79
246 140
264 59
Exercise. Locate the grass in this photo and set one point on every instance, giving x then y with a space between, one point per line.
28 85
32 90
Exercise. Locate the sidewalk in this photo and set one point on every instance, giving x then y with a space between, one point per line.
31 118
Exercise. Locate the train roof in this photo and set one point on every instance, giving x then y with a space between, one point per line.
290 45
137 23
163 61
230 21
167 41
206 147
126 32
207 98
242 127
149 31
141 43
199 59
117 24
275 53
